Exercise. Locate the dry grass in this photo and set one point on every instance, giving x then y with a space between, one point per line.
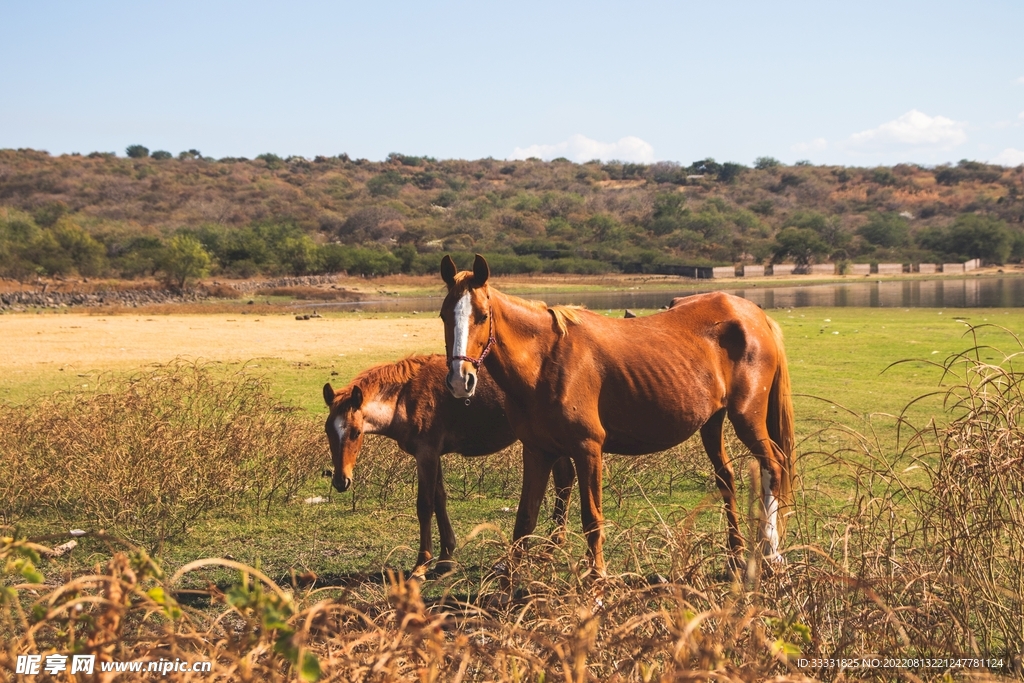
922 559
147 455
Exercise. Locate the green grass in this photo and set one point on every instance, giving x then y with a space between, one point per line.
839 358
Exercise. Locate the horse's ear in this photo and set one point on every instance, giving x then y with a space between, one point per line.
357 397
448 270
328 394
481 271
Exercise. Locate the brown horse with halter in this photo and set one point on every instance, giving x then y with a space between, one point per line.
406 401
581 384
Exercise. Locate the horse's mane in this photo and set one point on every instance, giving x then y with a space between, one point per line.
563 315
385 378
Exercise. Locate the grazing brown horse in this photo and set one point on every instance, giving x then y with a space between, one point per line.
580 384
406 401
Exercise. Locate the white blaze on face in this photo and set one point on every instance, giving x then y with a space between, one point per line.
771 514
338 425
463 309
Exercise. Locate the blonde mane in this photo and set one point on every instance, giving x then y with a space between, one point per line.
563 315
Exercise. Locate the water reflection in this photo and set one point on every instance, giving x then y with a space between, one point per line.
1006 292
962 293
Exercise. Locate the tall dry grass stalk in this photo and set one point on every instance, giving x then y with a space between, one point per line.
905 552
147 455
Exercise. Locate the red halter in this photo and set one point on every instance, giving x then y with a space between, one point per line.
477 362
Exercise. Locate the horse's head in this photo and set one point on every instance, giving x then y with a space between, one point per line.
468 328
344 431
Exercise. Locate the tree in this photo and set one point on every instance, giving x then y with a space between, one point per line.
161 154
803 245
388 184
829 228
885 230
765 163
981 237
137 152
730 171
184 258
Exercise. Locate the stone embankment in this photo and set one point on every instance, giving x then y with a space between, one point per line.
62 296
131 298
304 281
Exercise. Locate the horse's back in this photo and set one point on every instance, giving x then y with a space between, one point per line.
655 380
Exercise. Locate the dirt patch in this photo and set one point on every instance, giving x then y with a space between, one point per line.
77 341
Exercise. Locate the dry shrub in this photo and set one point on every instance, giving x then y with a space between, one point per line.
221 291
147 455
387 475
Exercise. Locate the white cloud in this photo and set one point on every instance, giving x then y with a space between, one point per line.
815 145
1020 81
912 130
1009 157
1021 116
580 148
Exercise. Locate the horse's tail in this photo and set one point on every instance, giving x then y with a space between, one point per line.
780 426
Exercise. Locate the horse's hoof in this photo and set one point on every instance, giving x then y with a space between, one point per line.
495 601
773 564
444 568
657 580
419 573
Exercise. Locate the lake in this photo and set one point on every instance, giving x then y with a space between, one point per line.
977 292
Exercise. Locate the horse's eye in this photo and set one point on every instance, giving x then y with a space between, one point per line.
354 431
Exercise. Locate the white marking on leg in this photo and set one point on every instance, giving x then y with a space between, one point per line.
463 309
771 515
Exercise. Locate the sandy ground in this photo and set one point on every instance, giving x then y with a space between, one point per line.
37 346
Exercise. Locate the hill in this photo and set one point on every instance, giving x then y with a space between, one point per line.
104 215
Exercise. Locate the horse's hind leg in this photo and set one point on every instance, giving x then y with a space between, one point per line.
752 430
564 474
444 524
714 444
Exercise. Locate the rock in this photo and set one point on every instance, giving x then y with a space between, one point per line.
629 314
62 549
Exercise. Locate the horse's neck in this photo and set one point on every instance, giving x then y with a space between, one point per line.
523 336
379 411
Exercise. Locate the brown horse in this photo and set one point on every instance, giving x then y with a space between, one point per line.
581 384
406 401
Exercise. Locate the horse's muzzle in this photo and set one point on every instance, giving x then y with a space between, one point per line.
341 483
461 384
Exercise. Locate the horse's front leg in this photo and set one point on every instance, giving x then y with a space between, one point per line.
588 471
536 471
444 523
427 470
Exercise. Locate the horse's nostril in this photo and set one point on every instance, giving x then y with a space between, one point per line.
470 383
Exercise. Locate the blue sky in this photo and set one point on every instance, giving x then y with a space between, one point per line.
861 83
